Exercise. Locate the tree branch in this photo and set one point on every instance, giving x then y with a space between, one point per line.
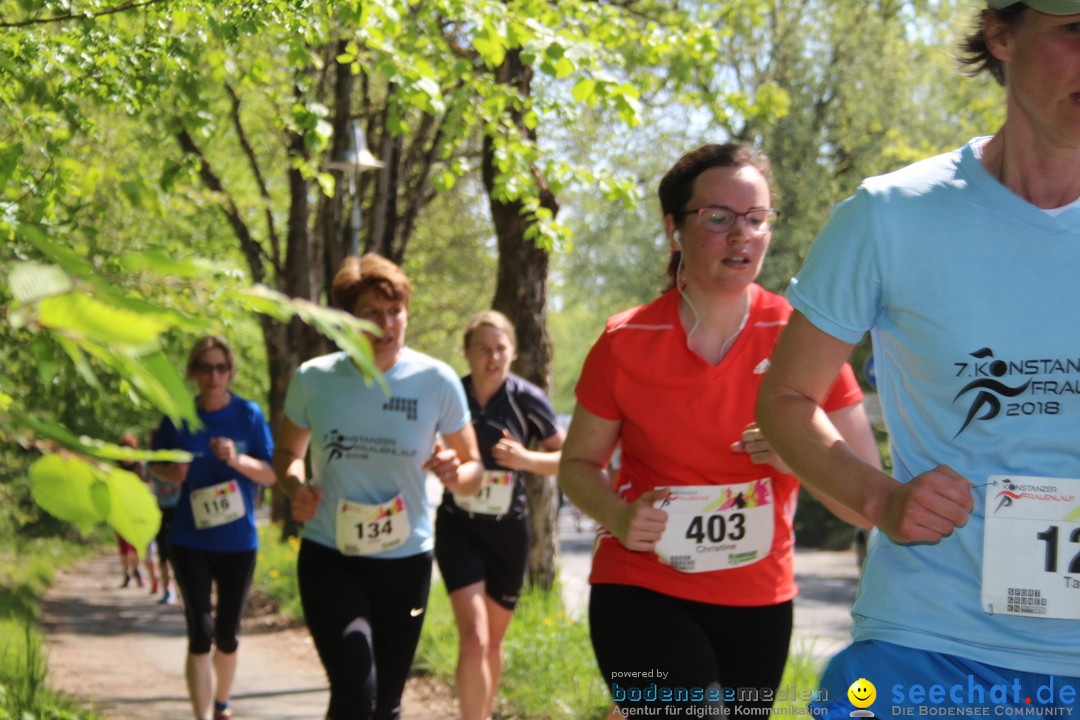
249 152
122 7
417 173
250 247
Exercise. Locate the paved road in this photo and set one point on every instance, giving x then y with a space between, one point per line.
121 652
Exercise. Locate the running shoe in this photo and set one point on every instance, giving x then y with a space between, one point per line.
168 598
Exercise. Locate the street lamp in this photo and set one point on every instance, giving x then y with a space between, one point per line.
353 160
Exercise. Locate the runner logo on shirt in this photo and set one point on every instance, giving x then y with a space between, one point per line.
989 393
337 444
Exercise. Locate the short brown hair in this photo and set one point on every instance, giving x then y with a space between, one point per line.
974 53
369 272
493 319
677 185
209 343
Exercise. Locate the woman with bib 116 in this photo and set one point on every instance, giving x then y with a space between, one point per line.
482 541
364 568
693 570
213 538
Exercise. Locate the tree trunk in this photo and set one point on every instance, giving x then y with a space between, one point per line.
521 295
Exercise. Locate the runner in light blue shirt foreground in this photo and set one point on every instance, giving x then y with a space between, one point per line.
962 268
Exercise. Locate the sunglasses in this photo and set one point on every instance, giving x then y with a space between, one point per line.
207 368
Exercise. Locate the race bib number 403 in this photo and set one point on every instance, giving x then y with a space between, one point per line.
717 527
1031 547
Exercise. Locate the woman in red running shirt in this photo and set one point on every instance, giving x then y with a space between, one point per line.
693 570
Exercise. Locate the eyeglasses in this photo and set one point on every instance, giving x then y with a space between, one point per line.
207 368
721 219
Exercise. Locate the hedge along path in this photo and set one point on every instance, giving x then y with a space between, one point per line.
118 651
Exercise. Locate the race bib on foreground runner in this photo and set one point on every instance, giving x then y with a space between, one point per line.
717 527
1031 547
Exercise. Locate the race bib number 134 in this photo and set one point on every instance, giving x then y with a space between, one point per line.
371 529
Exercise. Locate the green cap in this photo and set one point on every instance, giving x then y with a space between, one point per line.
1050 7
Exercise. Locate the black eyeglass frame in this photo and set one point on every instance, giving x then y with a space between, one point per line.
772 215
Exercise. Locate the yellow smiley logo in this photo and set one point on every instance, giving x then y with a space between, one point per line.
862 693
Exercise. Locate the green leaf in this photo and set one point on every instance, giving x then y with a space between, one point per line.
444 180
155 379
169 381
86 317
31 281
133 511
79 492
46 358
110 451
63 487
169 174
43 428
584 89
67 259
346 330
100 497
79 360
554 51
564 67
161 263
491 46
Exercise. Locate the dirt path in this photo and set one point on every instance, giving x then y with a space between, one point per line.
119 651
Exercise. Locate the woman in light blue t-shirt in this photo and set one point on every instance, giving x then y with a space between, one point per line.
364 566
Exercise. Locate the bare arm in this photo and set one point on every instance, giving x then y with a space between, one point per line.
804 364
854 427
458 466
290 447
584 478
509 453
852 424
260 471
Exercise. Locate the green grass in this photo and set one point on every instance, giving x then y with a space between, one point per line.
275 570
549 669
25 574
800 680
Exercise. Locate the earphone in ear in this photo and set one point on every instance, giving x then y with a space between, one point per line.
675 237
